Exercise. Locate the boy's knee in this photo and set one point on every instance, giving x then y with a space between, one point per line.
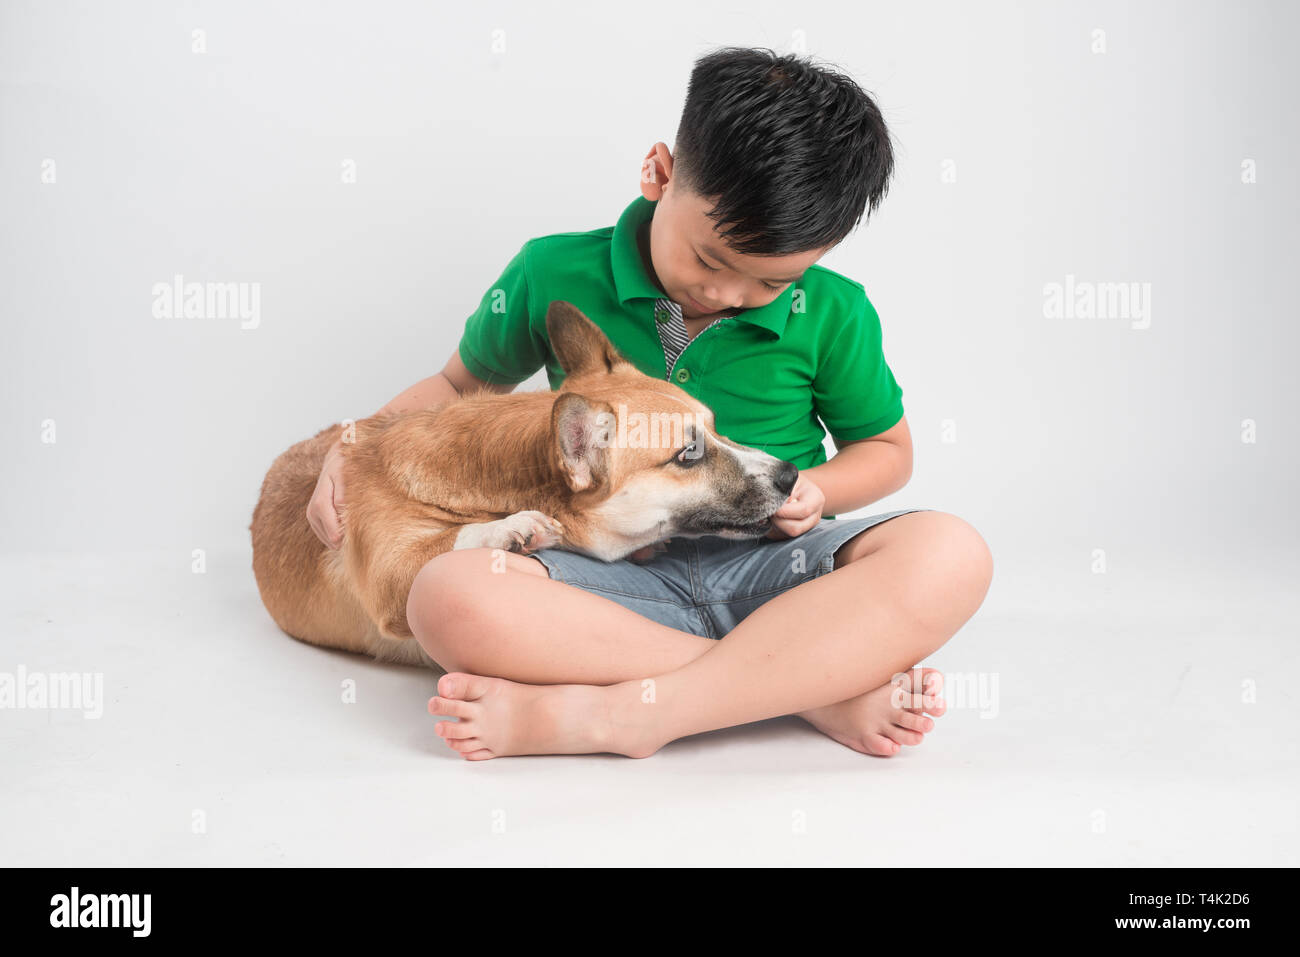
533 566
446 593
970 563
955 566
970 553
452 607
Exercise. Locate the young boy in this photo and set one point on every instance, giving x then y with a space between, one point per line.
709 278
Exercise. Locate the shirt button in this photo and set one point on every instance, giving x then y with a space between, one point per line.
661 315
683 375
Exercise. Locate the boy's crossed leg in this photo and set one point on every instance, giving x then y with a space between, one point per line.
590 675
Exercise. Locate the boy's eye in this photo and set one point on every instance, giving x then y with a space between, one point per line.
766 284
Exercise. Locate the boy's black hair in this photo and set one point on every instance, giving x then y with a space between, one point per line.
794 152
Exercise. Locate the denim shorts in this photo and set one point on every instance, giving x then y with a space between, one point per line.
706 586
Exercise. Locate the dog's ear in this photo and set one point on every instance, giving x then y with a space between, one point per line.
582 440
579 343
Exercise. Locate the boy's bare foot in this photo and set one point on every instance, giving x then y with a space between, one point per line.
873 723
500 717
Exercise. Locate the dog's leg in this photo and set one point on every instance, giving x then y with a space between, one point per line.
521 532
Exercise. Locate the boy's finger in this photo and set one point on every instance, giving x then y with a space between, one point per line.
794 511
782 527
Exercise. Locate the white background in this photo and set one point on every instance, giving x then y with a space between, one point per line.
1072 435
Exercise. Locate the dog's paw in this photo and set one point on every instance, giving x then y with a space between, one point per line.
522 532
537 530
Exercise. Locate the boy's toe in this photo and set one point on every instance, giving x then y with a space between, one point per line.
450 707
880 745
904 736
914 722
463 687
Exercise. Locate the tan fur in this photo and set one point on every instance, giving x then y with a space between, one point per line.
475 472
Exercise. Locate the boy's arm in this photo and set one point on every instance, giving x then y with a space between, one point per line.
498 341
861 406
864 470
452 382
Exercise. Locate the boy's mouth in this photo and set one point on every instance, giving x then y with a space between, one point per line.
696 304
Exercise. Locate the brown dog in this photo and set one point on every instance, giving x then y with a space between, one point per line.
612 461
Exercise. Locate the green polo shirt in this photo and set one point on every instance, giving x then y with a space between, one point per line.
769 374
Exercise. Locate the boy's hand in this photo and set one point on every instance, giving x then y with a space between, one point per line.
322 510
801 511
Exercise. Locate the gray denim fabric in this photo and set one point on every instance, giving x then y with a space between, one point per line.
707 586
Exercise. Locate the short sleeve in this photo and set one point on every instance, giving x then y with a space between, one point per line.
854 392
499 344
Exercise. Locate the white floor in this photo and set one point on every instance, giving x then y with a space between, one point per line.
1122 733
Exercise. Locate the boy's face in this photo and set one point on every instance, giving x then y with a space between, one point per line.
696 268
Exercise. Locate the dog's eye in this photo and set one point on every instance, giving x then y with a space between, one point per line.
689 455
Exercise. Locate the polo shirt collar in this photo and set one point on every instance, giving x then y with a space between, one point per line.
631 281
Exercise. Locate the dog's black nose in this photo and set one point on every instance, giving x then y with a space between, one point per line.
786 477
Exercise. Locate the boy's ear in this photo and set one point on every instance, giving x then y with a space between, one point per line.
579 343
